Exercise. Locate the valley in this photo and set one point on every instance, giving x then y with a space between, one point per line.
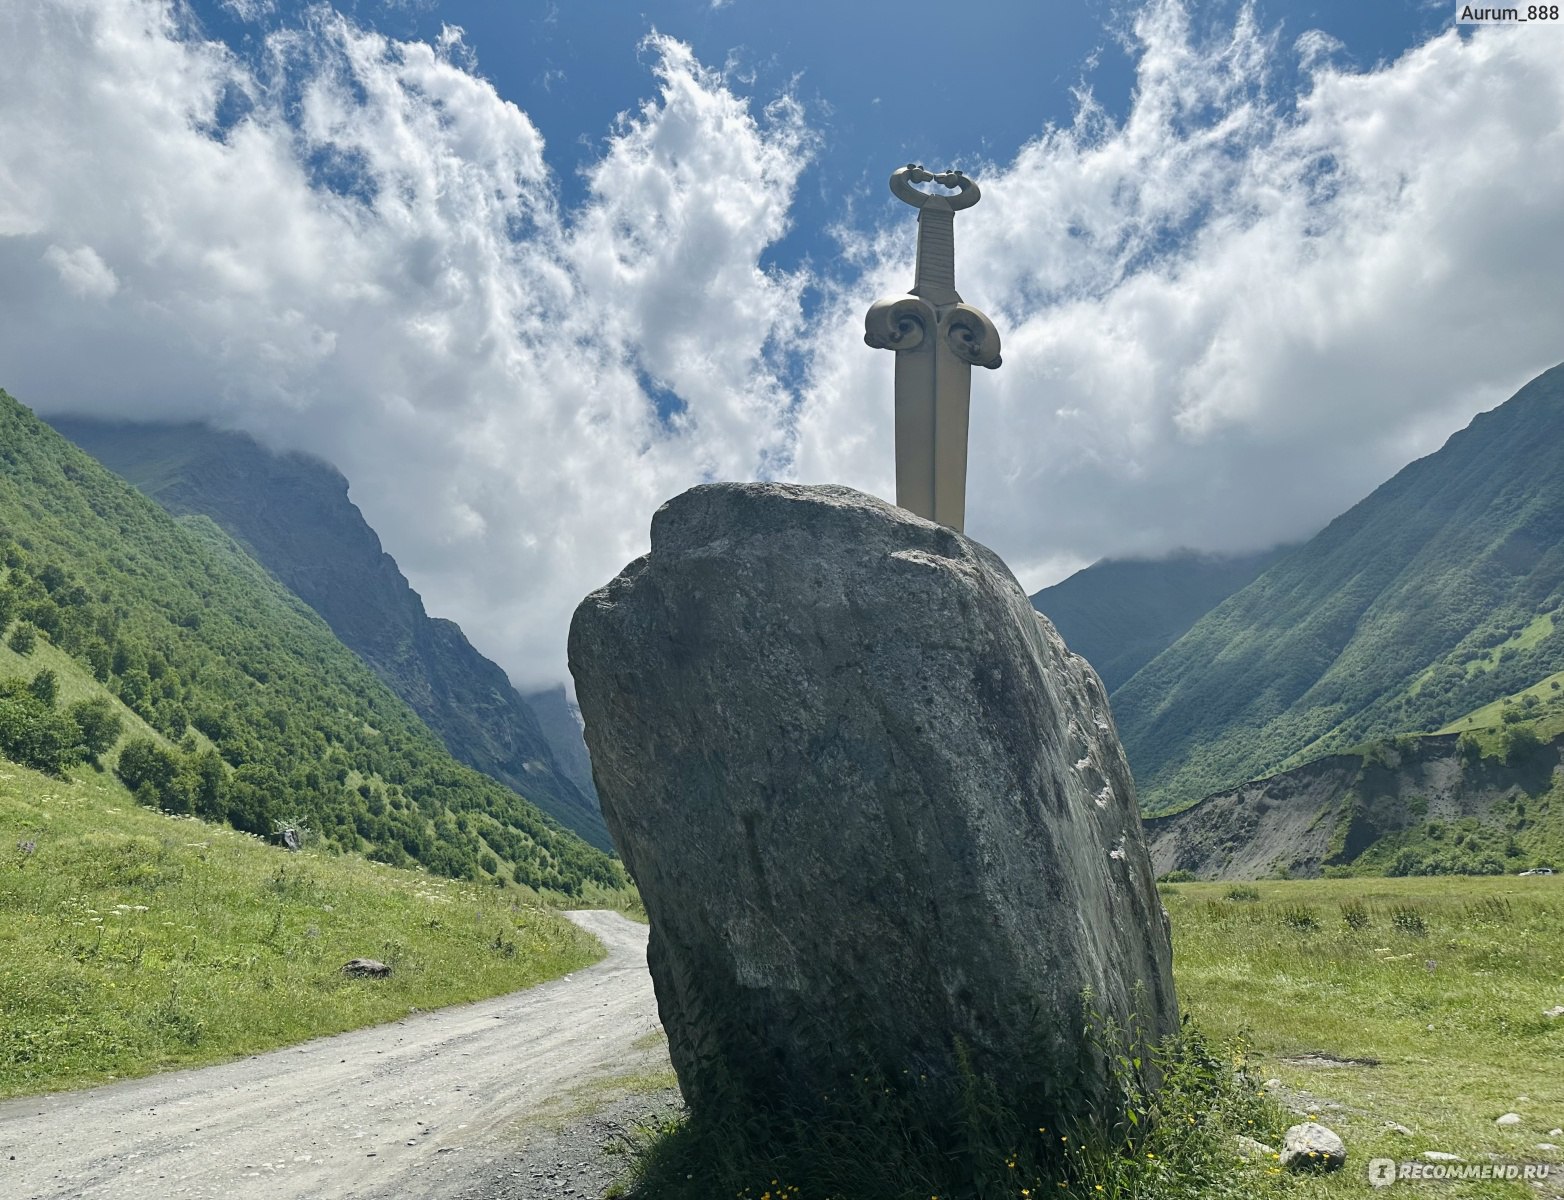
1384 698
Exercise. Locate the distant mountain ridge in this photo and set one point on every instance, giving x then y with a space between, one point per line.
1120 613
247 709
1436 594
292 513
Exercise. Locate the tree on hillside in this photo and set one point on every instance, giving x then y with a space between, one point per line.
143 762
23 638
32 733
254 792
46 686
210 778
1520 741
100 725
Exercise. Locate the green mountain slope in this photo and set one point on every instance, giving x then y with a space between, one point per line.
1119 614
292 514
1433 596
212 652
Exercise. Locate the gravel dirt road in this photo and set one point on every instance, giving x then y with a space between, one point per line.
406 1110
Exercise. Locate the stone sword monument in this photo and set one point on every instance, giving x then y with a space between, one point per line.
877 811
937 340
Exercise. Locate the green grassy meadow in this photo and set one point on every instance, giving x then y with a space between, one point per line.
132 941
1441 981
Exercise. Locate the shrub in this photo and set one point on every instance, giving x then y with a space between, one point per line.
1520 741
23 638
1242 891
1408 919
1356 914
33 734
99 724
143 762
46 686
1301 917
1179 876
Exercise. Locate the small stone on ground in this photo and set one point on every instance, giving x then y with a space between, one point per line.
1312 1147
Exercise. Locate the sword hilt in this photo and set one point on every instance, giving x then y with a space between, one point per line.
936 272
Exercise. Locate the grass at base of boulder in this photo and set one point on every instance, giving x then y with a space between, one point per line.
884 1142
1416 1001
131 941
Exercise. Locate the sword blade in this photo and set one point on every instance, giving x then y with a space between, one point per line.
933 403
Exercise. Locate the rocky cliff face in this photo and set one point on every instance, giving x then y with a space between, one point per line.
293 515
1400 798
876 809
560 722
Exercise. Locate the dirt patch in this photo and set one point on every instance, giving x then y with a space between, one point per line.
1327 1061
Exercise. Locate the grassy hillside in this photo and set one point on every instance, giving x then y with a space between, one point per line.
266 718
292 514
1431 597
131 940
1119 614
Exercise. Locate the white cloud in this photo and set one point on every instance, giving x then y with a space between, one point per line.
386 279
250 10
1224 319
83 273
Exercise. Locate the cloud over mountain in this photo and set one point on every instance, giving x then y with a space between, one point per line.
1226 317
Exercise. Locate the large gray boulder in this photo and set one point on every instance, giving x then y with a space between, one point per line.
877 810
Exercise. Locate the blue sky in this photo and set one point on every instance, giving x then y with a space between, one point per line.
524 271
880 86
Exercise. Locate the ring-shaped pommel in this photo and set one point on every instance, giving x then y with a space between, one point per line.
903 178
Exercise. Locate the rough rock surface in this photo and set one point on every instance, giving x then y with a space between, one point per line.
875 807
370 968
